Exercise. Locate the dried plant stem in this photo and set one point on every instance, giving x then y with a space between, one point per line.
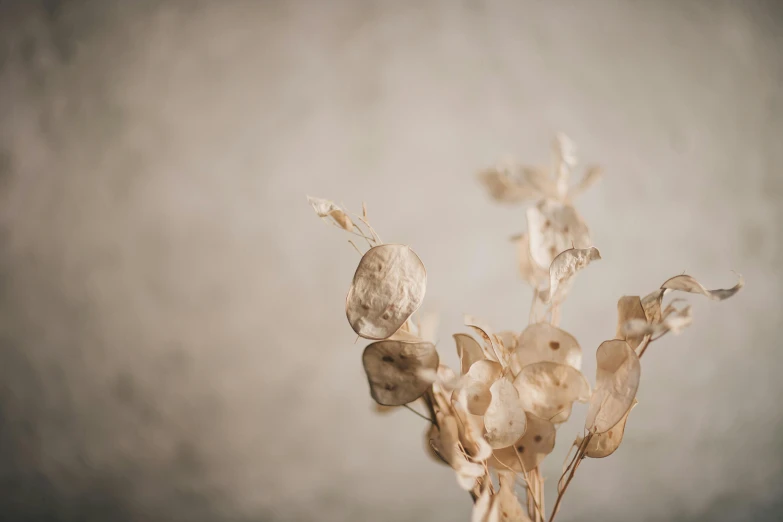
417 413
536 513
580 454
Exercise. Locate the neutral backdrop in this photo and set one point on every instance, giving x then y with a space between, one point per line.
173 339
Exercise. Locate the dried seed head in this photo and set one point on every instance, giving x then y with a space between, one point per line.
393 370
544 342
617 379
504 419
548 389
327 209
537 442
388 286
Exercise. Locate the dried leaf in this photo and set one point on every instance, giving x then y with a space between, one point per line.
537 442
548 389
604 444
468 350
563 269
388 286
617 379
686 283
545 342
652 305
504 420
552 228
505 504
393 367
629 308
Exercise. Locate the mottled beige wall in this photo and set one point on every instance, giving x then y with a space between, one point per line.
173 342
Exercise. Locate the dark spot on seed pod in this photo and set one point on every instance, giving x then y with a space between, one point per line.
390 387
537 438
388 358
554 345
521 448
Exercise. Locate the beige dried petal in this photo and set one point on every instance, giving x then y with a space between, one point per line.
321 206
471 435
388 286
604 444
392 369
432 444
505 504
563 269
686 283
468 350
485 371
490 345
652 305
545 342
548 389
530 271
617 379
475 397
593 174
537 442
552 228
672 320
504 420
629 308
482 505
503 186
342 219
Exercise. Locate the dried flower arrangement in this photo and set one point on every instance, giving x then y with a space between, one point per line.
499 417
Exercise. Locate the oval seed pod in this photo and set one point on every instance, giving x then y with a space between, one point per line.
388 286
545 342
504 419
548 389
604 444
474 392
537 442
629 308
392 369
468 350
616 381
552 228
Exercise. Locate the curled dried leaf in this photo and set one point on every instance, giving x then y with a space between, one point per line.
629 308
552 228
563 269
468 350
545 342
388 286
491 343
548 389
537 442
504 419
604 444
617 379
393 370
686 283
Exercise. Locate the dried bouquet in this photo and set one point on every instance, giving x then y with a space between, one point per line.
496 420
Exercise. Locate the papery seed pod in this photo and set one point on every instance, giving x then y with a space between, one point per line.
548 389
388 286
616 381
393 370
545 342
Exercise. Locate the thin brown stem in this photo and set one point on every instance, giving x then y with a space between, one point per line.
407 406
580 454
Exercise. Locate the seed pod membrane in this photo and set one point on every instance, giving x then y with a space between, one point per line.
617 379
393 367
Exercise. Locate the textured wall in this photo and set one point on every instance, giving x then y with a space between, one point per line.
173 341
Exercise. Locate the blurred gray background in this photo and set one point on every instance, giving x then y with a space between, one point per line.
173 339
